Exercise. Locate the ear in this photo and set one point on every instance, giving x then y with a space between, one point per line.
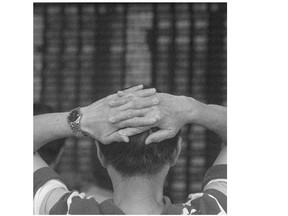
177 151
100 155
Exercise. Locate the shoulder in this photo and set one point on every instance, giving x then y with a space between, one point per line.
213 198
75 203
51 196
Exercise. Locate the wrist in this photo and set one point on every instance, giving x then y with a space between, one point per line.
74 119
84 123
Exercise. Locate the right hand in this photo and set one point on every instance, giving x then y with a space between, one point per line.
173 112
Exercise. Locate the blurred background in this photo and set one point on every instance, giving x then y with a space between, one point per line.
85 51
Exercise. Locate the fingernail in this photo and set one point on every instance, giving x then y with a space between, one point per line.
120 92
153 120
126 139
155 100
139 86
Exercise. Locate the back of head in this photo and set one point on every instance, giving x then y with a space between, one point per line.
138 159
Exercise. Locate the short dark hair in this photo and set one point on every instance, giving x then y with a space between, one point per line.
138 159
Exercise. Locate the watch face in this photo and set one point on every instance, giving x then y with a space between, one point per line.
73 116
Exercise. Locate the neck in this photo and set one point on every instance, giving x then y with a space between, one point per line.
139 195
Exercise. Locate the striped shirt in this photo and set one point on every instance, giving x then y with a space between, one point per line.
212 199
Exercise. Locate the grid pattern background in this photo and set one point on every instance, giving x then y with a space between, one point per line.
83 52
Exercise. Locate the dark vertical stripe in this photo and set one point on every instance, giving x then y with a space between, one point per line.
96 60
214 73
172 54
44 53
154 49
123 72
78 69
61 61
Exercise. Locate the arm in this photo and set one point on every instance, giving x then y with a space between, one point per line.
50 127
212 117
173 112
94 120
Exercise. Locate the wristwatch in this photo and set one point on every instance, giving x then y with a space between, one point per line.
73 120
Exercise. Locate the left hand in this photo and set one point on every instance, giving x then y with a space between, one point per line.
97 119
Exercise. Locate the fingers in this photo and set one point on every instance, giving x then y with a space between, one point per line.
132 89
128 114
140 103
158 136
115 137
132 131
140 93
120 101
128 96
137 122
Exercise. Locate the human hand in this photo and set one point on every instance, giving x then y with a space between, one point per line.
98 117
172 113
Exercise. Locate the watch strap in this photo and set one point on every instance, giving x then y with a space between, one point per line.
75 123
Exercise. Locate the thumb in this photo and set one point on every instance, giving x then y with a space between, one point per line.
158 136
116 137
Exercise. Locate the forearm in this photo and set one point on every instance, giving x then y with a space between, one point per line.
212 117
50 127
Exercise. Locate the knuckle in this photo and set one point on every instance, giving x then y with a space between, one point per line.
128 99
128 94
158 114
135 121
122 100
136 103
129 114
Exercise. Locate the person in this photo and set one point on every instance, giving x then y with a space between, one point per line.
136 132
